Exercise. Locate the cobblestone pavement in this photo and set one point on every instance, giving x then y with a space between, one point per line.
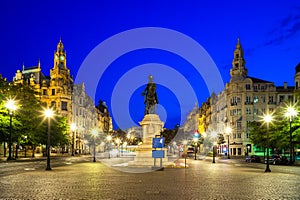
202 180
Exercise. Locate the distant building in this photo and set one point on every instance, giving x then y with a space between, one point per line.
104 119
243 100
84 117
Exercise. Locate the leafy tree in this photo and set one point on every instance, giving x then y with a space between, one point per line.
257 134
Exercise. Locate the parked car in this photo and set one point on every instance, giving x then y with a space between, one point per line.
278 160
253 158
190 151
281 160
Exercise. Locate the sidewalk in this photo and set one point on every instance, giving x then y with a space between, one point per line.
39 157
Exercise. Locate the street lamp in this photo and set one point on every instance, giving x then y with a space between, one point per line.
11 106
268 118
73 129
214 152
195 144
228 131
184 146
95 133
118 141
290 114
174 145
108 138
48 114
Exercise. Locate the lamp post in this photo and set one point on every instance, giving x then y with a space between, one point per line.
108 138
48 114
73 129
268 118
184 146
228 131
290 114
214 152
95 133
174 145
195 144
118 141
11 106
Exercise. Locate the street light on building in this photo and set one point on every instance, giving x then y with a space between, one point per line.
291 113
73 129
95 133
267 119
11 106
48 114
108 138
228 132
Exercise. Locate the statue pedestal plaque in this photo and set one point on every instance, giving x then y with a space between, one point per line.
151 126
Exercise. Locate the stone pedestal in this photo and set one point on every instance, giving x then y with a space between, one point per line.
151 126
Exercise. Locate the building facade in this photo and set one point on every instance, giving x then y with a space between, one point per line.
243 100
55 91
84 117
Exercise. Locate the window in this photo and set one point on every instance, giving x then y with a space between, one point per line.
263 110
53 104
239 125
44 92
239 151
248 87
270 99
64 105
248 99
297 84
255 111
239 111
262 87
255 88
239 135
255 99
290 98
281 98
263 99
248 111
53 91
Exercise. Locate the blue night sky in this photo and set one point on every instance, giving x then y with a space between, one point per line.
269 32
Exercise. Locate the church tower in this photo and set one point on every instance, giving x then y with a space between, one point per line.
60 56
61 83
238 71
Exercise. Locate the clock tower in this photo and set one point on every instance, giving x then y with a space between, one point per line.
61 83
60 56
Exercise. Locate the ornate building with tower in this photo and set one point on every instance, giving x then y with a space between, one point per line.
243 100
54 91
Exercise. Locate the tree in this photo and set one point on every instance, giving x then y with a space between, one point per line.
220 140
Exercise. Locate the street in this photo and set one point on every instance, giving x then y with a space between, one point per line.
80 178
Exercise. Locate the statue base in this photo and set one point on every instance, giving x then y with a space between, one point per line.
151 126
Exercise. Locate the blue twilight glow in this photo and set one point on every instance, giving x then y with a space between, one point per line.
269 32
